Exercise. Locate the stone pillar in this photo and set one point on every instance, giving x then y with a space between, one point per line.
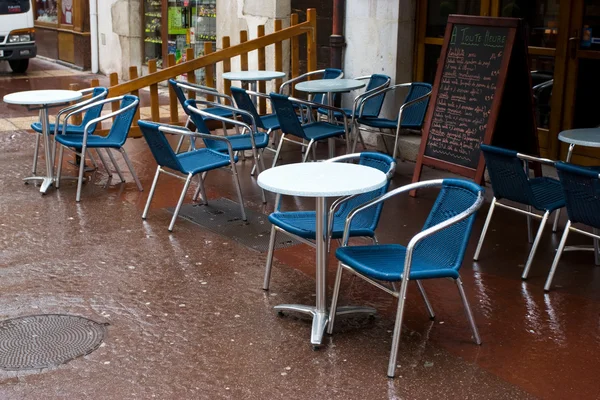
120 36
236 15
380 39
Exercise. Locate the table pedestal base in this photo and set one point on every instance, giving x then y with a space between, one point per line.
46 182
320 318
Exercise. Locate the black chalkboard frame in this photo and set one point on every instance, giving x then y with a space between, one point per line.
514 33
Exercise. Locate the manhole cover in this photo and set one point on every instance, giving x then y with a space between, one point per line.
43 341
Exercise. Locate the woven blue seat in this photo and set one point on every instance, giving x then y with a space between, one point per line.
189 164
436 252
302 224
290 125
581 189
510 182
115 139
410 115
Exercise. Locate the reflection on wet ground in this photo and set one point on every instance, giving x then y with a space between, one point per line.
188 318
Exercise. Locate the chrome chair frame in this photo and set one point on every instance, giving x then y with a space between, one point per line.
206 91
83 148
311 144
400 293
178 130
529 213
330 216
356 125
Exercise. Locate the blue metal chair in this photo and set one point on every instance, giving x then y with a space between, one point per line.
581 188
180 87
189 164
301 225
252 140
327 73
311 132
508 172
268 123
435 252
410 115
114 140
96 94
372 106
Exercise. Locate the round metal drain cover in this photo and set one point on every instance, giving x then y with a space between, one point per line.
43 341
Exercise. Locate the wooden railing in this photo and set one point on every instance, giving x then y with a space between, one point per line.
210 58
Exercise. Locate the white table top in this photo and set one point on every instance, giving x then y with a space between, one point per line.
42 97
253 75
321 179
329 85
589 137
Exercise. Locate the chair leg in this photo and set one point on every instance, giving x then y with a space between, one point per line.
395 144
397 329
131 170
35 153
180 202
556 217
596 248
278 149
269 264
536 241
80 178
238 188
92 159
485 228
151 194
307 150
104 164
59 166
201 190
114 163
179 144
465 302
559 251
334 299
426 300
529 228
374 239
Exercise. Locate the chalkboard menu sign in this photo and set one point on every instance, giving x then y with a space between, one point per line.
479 57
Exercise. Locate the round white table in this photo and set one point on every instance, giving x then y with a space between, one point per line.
42 100
252 77
330 87
321 180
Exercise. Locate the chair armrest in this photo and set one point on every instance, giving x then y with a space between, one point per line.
377 92
545 161
179 130
205 90
384 197
258 94
75 107
223 119
299 78
409 104
361 99
101 118
311 104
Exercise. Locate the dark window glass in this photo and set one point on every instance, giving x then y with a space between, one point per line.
438 11
14 6
47 11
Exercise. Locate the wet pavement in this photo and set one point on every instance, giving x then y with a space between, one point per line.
189 320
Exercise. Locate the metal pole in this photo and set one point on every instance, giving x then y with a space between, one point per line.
336 40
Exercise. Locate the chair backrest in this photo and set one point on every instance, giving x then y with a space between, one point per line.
446 248
122 123
159 145
179 92
94 112
329 73
508 176
372 107
200 123
581 187
369 217
413 116
286 115
244 102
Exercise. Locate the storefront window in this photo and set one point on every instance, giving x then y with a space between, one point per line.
438 11
152 31
541 18
47 11
67 12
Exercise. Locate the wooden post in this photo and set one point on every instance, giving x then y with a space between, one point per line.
262 63
311 40
174 112
191 75
76 120
95 82
226 66
244 56
154 110
209 70
133 74
278 55
114 81
295 52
